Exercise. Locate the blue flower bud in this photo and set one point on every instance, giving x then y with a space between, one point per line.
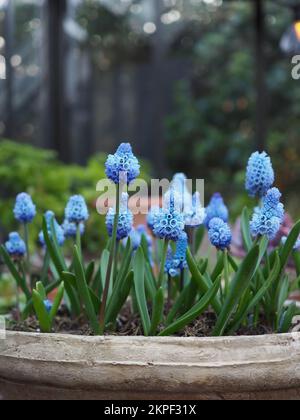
70 229
169 223
125 222
195 216
15 246
76 210
24 210
216 209
177 262
49 215
122 164
268 219
48 305
260 174
219 234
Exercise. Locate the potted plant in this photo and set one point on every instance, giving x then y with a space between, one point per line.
165 320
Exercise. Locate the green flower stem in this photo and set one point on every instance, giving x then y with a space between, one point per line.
26 238
169 292
182 279
116 261
191 232
163 263
226 272
44 276
78 241
112 259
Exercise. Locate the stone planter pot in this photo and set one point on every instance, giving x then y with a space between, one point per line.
34 366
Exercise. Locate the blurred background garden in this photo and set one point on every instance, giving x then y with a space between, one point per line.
195 85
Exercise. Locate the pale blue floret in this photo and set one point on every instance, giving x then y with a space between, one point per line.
48 305
76 210
15 245
70 229
260 174
195 216
268 219
24 210
219 234
49 216
152 215
177 262
169 224
125 222
216 209
123 164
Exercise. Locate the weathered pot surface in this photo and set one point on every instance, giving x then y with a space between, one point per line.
35 366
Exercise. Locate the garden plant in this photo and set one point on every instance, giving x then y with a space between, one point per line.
160 275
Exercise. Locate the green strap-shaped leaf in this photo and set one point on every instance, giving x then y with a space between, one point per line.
195 312
89 273
139 287
202 283
29 306
57 302
56 246
72 291
158 311
200 233
52 250
288 247
41 290
239 285
119 300
85 293
287 320
178 305
245 226
41 312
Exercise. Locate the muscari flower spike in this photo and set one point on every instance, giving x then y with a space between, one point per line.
76 210
196 215
125 222
216 209
151 216
169 224
24 210
123 164
260 174
179 184
70 229
177 262
49 215
15 246
268 218
48 305
219 234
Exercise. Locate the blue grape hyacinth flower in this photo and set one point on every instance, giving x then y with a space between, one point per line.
15 246
123 164
76 210
24 210
125 222
180 187
70 229
220 234
268 219
48 305
151 216
216 209
49 216
169 224
195 216
260 174
136 236
177 262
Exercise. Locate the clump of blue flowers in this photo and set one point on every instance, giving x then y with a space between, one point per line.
70 229
195 216
260 174
15 246
24 210
216 209
219 234
49 216
268 218
152 216
123 165
125 222
176 263
76 210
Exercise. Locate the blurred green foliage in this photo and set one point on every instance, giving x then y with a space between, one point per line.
212 129
50 183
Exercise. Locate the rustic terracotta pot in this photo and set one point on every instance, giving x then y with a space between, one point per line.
70 367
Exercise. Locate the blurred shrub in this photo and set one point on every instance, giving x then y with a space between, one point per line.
50 182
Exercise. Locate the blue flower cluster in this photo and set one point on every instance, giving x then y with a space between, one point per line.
216 209
136 236
260 174
151 217
268 218
15 246
219 234
125 222
49 216
76 210
123 164
169 223
177 262
48 305
195 216
183 197
24 210
70 229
